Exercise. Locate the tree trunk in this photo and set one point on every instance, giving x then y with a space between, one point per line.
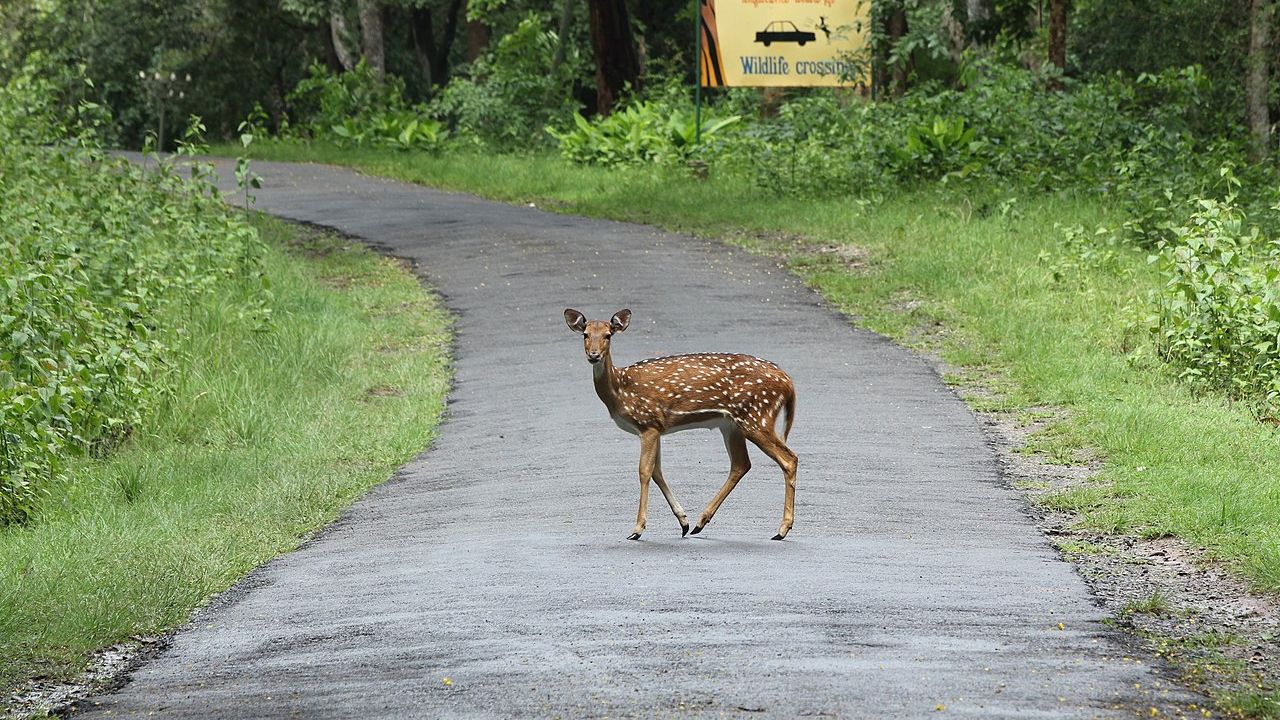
338 34
422 31
978 27
617 64
1058 38
562 38
956 32
896 29
331 59
445 46
977 12
477 39
1255 95
371 42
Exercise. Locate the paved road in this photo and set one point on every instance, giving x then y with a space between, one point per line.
913 578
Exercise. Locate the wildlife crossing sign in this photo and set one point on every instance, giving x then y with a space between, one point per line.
783 43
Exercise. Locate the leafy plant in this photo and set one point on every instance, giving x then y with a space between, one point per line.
354 108
98 260
246 179
642 132
938 147
505 96
401 131
1217 317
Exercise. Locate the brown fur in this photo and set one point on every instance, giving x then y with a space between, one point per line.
741 394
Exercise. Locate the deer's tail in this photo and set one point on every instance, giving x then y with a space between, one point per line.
790 408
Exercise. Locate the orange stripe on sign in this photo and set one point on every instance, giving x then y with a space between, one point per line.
711 72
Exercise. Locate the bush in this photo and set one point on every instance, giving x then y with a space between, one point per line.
642 132
1136 142
508 95
1217 317
354 108
99 260
402 131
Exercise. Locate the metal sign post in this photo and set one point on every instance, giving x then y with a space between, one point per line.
697 72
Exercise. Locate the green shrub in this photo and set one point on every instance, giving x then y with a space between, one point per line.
641 132
354 108
325 99
402 131
1135 142
508 95
1217 317
99 259
939 147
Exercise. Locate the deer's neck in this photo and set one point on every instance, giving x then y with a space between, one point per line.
606 381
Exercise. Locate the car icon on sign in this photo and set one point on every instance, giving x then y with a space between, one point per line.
784 31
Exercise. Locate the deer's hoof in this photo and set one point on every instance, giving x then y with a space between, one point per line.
633 536
779 536
684 529
697 529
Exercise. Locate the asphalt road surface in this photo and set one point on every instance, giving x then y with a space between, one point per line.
913 584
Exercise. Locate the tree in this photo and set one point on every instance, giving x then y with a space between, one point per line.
338 35
371 40
1058 38
1256 80
562 35
614 46
372 43
896 29
477 38
977 11
433 52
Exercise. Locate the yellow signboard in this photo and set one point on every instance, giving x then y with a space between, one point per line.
784 43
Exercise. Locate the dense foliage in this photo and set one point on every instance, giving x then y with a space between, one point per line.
506 68
99 258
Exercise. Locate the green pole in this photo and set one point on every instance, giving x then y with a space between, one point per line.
697 72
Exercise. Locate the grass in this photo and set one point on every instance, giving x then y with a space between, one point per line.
1154 604
963 274
267 435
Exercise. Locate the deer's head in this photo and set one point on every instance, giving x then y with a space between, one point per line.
596 333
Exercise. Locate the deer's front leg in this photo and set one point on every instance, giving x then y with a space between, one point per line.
648 460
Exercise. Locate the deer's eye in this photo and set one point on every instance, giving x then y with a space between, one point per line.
608 335
584 334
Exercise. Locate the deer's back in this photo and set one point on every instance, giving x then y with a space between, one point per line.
692 389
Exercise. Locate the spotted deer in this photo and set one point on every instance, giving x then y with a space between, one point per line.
740 395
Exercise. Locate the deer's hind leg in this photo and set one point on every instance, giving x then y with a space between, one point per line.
666 493
774 447
735 443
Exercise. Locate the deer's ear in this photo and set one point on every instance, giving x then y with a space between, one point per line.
620 320
576 321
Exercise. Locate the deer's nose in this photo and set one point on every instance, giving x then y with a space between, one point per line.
593 357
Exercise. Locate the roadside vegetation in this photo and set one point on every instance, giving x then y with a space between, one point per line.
185 391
